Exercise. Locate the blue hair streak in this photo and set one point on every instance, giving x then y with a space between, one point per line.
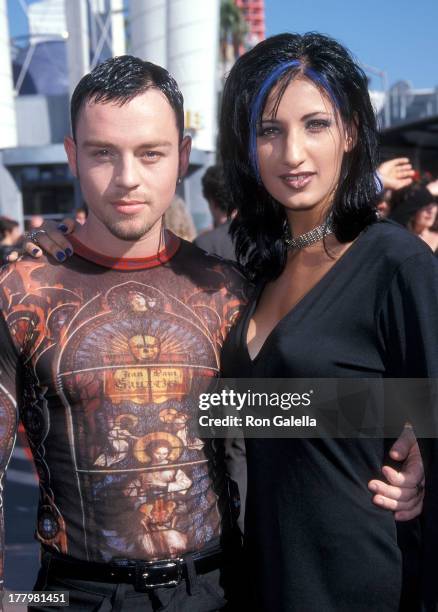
261 98
257 109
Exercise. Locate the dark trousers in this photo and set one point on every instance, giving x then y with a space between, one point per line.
198 593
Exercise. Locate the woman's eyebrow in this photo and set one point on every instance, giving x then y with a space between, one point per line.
303 118
310 115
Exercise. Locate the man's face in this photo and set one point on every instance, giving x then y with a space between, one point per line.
81 217
128 158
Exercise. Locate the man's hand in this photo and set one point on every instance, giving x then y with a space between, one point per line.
404 492
396 173
50 238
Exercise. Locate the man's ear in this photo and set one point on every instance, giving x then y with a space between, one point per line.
70 149
184 155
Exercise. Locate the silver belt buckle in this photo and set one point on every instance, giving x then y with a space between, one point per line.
151 574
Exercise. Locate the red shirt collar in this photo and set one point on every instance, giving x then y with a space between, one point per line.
172 244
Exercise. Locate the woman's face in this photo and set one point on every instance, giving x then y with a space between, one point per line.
426 216
300 150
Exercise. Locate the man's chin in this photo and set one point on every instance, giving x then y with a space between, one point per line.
129 231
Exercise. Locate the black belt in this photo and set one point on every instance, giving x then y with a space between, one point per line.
144 575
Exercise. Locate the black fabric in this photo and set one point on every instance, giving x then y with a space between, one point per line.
314 539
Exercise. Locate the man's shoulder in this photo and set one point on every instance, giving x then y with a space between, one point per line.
27 283
21 273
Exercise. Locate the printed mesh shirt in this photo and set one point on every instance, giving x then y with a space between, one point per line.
101 359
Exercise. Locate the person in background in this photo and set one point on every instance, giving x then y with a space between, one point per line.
416 208
178 219
394 174
34 222
9 235
218 240
384 203
81 214
433 187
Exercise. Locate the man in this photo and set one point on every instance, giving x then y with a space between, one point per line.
9 235
81 215
217 240
96 348
106 347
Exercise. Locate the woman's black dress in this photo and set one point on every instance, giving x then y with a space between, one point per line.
315 541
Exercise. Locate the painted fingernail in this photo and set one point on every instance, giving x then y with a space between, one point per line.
63 228
35 251
60 256
68 252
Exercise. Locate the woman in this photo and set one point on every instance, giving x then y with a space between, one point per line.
338 296
415 208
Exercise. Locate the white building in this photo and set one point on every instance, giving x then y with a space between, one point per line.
46 20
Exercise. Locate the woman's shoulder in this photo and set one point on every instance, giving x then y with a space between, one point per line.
394 244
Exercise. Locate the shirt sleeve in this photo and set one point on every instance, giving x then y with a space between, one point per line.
408 321
9 369
409 330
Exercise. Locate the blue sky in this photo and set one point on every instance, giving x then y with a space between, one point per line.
398 36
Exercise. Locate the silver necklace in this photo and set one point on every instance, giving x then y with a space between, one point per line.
315 235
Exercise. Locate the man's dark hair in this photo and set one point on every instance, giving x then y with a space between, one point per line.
6 226
214 188
120 79
260 223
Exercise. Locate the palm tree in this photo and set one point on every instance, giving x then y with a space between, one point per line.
233 28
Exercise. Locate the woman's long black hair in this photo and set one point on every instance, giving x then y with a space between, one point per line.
259 225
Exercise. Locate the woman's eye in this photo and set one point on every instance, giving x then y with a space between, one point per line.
268 131
317 125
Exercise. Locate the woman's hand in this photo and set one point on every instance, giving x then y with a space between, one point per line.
49 238
404 491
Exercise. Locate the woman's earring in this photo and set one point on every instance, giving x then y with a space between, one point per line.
179 181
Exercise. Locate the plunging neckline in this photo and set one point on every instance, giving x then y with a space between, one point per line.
296 307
